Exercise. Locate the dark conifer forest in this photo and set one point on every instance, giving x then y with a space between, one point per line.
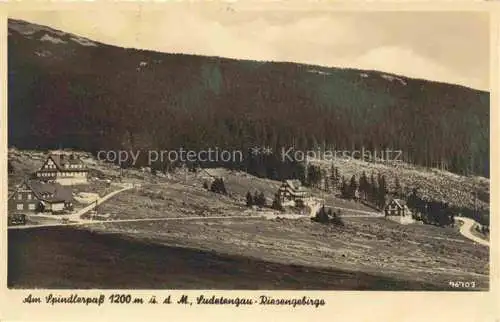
97 97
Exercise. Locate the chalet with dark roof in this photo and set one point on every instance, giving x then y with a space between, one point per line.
40 196
63 168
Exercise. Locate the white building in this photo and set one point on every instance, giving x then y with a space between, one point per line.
292 193
65 169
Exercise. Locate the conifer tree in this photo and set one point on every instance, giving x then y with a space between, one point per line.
353 187
364 186
373 189
277 203
261 199
249 198
344 188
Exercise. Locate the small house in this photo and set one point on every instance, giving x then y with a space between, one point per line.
396 207
38 196
291 192
397 210
63 168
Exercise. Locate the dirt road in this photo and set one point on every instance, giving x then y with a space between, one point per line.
93 222
79 213
465 230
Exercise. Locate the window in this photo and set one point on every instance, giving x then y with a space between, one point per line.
19 196
31 206
29 196
20 206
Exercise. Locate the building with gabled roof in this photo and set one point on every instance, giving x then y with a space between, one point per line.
39 196
396 207
65 169
397 210
291 192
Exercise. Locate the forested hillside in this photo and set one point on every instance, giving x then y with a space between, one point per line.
67 91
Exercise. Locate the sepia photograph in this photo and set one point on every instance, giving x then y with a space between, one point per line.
218 147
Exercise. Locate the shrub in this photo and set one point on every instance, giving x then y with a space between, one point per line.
322 216
218 186
337 219
250 200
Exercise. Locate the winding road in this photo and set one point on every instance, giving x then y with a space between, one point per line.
466 230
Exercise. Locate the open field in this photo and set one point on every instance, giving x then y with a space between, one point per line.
74 258
375 245
248 254
172 199
185 196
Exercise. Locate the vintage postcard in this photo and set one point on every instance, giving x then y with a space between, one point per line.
187 158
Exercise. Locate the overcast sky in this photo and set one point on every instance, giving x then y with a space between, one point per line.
451 47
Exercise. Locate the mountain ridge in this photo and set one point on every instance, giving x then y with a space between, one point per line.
197 100
263 61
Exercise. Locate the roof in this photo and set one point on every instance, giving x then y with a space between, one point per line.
295 185
56 190
61 160
400 202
